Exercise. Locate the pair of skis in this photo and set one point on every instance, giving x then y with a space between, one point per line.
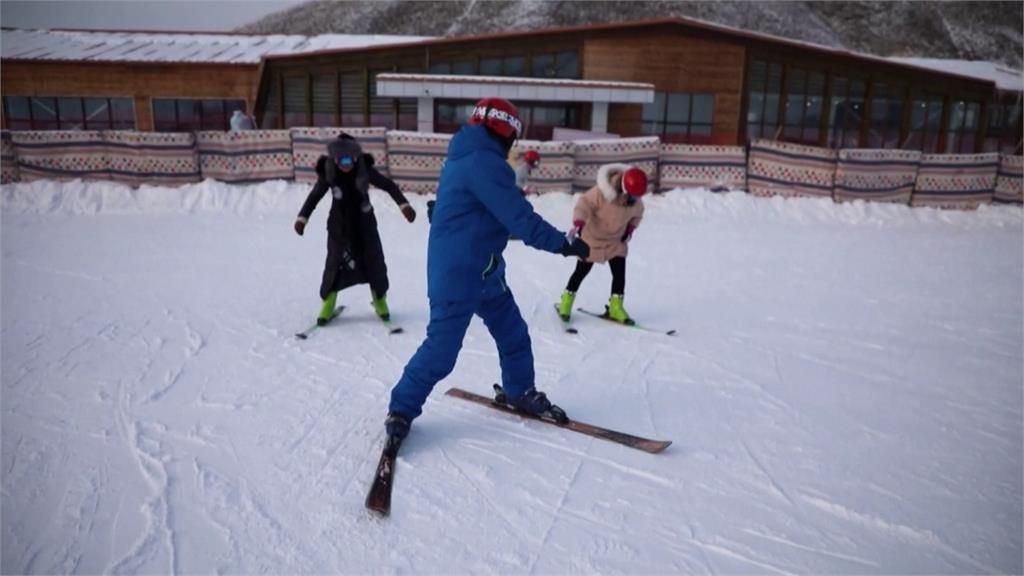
392 328
570 328
379 497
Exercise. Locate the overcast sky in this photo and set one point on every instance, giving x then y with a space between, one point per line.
184 15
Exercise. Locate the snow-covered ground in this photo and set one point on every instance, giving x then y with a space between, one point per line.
844 394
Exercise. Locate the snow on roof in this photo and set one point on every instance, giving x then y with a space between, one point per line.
1005 78
95 46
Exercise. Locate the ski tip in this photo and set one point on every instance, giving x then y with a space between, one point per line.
396 331
670 333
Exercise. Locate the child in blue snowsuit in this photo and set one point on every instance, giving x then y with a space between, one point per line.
478 206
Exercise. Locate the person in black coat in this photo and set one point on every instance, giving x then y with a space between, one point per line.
354 252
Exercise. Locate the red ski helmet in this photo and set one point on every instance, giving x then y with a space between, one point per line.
499 115
531 157
634 182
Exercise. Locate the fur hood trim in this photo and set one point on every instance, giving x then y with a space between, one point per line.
604 182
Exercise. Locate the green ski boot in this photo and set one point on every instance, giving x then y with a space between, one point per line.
327 309
616 312
380 306
565 306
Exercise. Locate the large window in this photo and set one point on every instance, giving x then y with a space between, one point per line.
846 111
546 65
296 110
324 107
68 113
503 66
539 118
352 99
962 131
450 115
187 115
764 85
1004 133
560 65
885 118
679 117
802 114
925 124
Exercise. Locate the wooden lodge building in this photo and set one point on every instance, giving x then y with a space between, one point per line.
681 79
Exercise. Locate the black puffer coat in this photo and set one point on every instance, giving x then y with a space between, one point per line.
354 251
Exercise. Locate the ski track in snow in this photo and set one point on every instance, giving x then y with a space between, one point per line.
830 414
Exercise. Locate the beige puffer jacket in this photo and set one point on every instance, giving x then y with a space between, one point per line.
605 215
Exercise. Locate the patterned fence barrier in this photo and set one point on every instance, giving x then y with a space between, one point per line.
8 159
876 175
557 159
64 155
592 154
246 156
416 159
1010 180
955 180
308 144
154 158
785 169
697 166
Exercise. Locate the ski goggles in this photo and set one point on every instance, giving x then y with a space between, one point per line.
345 161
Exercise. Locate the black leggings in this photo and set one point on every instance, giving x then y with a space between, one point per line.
618 266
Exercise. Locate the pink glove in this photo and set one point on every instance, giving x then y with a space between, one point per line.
575 231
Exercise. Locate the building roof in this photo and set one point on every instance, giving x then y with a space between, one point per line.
677 21
472 87
165 47
1007 79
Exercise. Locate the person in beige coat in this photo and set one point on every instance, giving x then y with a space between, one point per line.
606 217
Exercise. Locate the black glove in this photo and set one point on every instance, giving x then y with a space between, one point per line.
300 227
430 210
409 213
577 248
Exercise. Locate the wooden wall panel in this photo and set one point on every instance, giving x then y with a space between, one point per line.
673 62
141 81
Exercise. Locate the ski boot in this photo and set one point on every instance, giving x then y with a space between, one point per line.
616 312
565 306
533 402
380 306
327 309
397 426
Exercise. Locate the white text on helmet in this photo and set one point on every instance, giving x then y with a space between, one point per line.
496 114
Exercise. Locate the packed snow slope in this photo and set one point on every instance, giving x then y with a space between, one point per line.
844 394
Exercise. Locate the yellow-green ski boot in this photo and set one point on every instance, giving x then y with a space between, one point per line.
327 309
565 306
380 306
616 312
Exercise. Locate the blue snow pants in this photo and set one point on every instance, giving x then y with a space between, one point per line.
436 357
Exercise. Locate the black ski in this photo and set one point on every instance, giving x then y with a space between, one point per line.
305 333
645 444
566 324
379 498
631 324
391 326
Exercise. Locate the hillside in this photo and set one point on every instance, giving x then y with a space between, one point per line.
959 30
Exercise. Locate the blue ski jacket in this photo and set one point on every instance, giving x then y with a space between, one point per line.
478 206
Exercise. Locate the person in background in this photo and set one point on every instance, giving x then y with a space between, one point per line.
606 217
239 121
354 251
478 205
529 162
